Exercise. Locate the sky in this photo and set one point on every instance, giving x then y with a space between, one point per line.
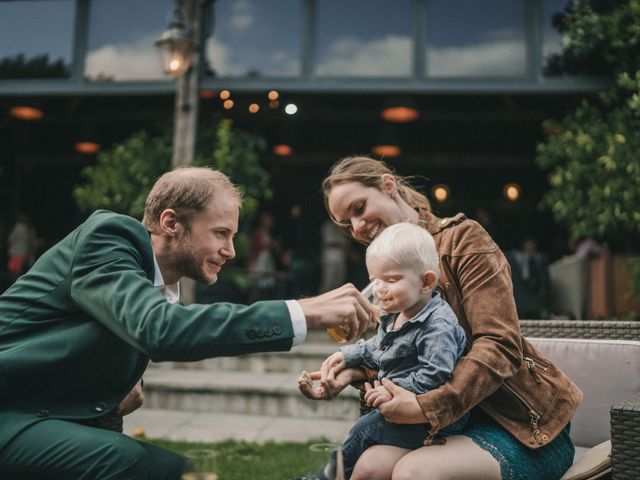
465 36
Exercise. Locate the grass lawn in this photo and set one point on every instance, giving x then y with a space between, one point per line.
239 460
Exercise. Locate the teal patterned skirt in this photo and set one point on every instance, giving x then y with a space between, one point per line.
518 462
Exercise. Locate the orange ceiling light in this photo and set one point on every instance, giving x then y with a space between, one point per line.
273 95
228 104
399 114
283 150
440 193
207 94
28 114
512 192
387 150
224 94
254 107
86 148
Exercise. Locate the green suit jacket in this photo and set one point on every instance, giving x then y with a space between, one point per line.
78 330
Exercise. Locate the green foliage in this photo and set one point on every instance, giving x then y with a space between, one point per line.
238 460
594 168
38 66
123 175
601 37
594 165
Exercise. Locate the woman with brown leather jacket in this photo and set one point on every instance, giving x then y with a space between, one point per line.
521 404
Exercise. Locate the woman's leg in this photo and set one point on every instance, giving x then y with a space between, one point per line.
458 459
377 462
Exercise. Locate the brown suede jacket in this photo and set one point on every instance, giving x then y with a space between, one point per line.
501 371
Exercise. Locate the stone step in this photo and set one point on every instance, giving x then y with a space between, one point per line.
241 392
215 427
307 356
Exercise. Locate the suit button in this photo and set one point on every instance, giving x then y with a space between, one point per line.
99 407
277 329
268 331
251 333
43 413
259 333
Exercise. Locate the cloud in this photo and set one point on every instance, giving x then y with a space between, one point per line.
489 59
388 56
136 60
277 63
242 16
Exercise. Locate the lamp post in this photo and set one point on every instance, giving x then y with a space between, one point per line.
180 50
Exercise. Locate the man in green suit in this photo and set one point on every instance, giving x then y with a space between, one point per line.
78 330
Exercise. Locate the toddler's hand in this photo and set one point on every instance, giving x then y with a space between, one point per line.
333 362
376 395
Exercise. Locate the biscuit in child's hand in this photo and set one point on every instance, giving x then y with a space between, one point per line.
305 378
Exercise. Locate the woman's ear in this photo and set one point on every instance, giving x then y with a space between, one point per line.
169 224
429 279
389 183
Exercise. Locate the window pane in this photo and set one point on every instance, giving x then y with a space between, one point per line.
552 43
372 38
255 38
121 39
468 38
36 38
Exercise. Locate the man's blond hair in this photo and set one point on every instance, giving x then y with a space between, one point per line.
188 191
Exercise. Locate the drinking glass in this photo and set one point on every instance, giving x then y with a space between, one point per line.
341 333
202 464
325 461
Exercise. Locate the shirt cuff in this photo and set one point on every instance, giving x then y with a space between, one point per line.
298 321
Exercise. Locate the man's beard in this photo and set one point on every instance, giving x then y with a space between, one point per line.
188 263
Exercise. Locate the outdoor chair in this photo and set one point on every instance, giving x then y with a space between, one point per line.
603 358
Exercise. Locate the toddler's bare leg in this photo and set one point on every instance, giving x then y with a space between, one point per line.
377 462
458 459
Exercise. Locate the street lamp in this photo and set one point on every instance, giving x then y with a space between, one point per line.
176 45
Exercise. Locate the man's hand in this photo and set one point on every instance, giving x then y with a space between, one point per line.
376 395
403 407
133 400
339 307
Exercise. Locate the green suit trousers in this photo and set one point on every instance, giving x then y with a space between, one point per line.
61 450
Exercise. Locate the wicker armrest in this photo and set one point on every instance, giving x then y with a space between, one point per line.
594 329
625 439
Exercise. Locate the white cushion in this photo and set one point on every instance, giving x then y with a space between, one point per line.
607 372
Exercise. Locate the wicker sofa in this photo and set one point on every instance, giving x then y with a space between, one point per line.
625 415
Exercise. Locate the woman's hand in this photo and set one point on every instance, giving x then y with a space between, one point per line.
376 395
133 400
403 407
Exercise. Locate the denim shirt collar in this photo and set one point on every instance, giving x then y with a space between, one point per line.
420 317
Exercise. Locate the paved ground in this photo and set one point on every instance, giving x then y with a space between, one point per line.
212 427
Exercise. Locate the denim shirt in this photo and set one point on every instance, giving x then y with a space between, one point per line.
420 355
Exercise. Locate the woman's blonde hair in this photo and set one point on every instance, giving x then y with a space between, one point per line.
368 172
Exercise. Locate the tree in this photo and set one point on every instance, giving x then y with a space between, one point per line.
594 170
123 175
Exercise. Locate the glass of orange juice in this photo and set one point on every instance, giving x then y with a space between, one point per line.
342 332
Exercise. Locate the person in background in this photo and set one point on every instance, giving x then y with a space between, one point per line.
21 246
77 330
335 247
520 403
531 280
